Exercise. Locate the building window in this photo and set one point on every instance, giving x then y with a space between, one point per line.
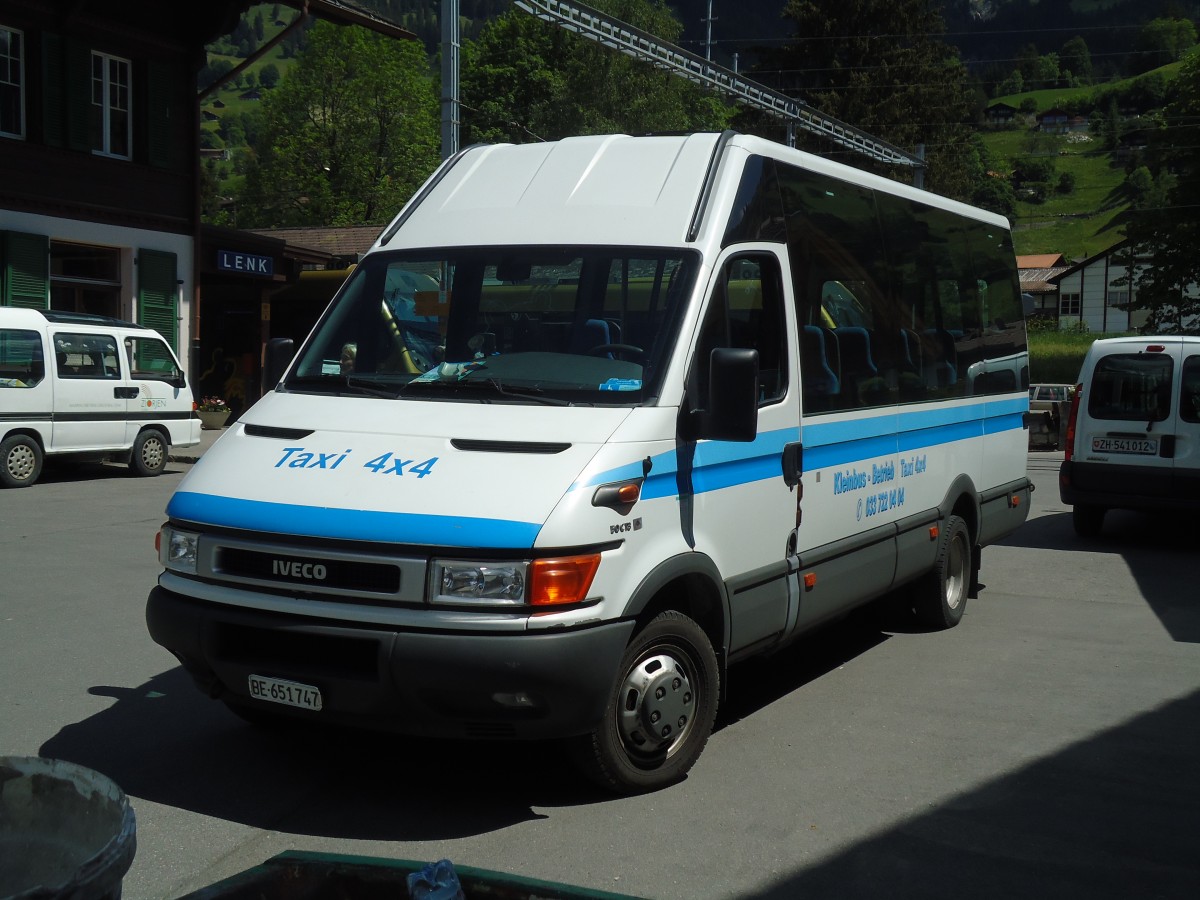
1069 305
1119 299
12 83
111 124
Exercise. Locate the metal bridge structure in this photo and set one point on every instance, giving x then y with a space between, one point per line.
641 45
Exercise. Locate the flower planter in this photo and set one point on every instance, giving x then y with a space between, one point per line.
211 420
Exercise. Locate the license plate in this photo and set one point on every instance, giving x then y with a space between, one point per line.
1139 446
289 693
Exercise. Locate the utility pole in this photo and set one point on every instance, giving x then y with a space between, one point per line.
708 20
450 63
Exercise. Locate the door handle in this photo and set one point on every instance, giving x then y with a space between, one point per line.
125 393
793 464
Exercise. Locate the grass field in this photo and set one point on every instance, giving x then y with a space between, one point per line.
1055 357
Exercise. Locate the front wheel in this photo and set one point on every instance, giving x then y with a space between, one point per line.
940 598
149 456
660 712
20 461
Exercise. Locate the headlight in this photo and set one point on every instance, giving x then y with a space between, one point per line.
478 582
177 550
540 582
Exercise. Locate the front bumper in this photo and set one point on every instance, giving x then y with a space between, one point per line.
436 684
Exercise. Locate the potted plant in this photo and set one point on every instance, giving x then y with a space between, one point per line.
213 412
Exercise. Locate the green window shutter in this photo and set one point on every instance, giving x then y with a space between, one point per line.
157 296
54 91
161 113
26 275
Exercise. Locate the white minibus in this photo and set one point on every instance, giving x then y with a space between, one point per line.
592 421
79 386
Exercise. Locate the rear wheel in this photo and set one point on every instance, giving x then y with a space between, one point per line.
661 710
149 456
1088 520
20 461
940 598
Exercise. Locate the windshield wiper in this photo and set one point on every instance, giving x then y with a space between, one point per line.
372 388
535 394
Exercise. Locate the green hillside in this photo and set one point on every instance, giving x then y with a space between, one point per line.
1077 223
1086 219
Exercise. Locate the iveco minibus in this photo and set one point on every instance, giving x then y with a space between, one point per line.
593 420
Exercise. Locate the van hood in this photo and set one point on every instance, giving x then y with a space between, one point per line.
396 471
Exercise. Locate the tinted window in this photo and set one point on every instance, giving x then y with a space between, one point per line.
1134 387
150 358
86 356
21 363
746 311
898 301
1189 399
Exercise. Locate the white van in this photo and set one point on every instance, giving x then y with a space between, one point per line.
591 421
1133 437
77 385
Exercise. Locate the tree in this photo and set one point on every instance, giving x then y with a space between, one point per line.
526 80
1163 41
347 136
1166 230
1077 59
882 66
268 75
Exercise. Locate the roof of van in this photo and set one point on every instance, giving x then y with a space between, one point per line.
597 189
36 318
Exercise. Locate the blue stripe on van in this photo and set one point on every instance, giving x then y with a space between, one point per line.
721 464
351 524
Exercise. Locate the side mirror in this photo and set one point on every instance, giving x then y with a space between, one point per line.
731 407
277 355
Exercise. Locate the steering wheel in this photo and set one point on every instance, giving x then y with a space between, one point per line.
631 349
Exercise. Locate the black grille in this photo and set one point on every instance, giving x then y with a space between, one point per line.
313 573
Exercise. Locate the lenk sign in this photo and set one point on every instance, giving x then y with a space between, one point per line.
248 263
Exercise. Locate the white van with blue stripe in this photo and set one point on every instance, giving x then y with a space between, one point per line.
592 421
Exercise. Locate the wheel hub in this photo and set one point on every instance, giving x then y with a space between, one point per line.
659 704
20 462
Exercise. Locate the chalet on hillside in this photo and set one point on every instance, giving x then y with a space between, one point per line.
1097 291
1000 113
1037 273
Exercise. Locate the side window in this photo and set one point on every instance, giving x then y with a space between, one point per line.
86 356
746 311
854 352
1189 399
21 362
149 357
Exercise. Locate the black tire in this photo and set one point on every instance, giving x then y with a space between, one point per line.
20 461
149 456
669 682
1088 520
940 597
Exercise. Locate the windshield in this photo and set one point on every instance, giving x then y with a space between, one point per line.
550 325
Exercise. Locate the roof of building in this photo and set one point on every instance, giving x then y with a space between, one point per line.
1040 261
1039 271
351 242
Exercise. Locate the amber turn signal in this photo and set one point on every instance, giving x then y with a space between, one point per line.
566 580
